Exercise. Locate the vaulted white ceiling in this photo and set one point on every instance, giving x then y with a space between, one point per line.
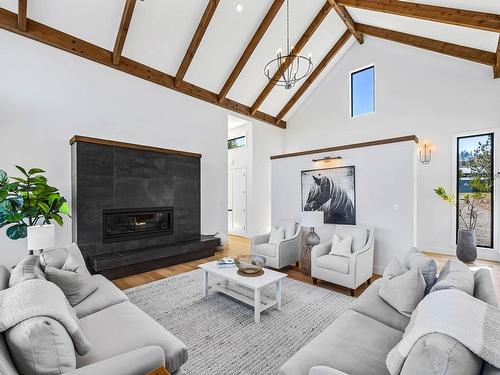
161 31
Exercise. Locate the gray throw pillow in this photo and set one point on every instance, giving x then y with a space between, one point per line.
76 285
41 346
403 291
426 265
484 288
27 269
53 257
455 275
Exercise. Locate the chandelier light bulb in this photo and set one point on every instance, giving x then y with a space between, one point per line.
239 7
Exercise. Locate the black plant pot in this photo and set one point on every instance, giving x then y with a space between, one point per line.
466 245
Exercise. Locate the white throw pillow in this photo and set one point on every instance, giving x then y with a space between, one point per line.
341 247
277 235
403 291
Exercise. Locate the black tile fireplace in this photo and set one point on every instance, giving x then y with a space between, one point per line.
122 224
136 208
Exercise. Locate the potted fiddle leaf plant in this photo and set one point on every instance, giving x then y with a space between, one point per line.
468 212
27 201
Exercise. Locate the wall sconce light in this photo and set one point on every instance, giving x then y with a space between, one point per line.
425 154
327 158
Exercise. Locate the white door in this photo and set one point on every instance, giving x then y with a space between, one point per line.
237 201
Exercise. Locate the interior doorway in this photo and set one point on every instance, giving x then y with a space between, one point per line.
238 164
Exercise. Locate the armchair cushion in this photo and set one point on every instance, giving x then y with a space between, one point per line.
277 235
334 263
359 235
266 249
290 228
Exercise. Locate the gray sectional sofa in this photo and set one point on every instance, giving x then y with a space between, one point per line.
357 343
124 339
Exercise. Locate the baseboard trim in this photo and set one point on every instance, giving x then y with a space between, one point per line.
482 254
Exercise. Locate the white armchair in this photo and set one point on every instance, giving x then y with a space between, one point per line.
278 255
351 271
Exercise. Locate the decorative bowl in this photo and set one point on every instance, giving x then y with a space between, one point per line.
250 264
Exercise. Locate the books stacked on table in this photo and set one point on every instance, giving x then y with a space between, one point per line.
226 262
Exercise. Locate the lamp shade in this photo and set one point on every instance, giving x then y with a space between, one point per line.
41 237
312 219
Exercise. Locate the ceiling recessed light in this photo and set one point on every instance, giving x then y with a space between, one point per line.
239 7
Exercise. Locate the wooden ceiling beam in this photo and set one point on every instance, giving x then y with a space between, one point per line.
347 19
22 12
128 10
496 69
315 73
450 49
261 30
459 17
195 42
58 39
295 51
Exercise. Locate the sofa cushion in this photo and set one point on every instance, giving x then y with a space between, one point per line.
359 235
106 294
290 227
75 285
53 257
354 343
41 346
124 327
489 369
27 269
455 275
437 354
373 306
426 265
266 250
334 262
484 288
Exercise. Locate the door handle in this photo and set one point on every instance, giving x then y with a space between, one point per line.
230 210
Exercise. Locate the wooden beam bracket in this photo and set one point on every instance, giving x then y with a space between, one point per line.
347 19
22 12
128 10
195 42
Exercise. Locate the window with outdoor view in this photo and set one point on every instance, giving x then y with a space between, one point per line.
475 186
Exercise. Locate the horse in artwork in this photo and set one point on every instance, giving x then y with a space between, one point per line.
325 195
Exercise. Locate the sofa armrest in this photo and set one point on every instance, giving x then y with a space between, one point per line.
323 370
137 362
321 249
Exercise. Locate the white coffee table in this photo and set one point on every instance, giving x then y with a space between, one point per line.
244 289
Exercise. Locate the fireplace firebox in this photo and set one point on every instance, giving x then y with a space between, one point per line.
124 224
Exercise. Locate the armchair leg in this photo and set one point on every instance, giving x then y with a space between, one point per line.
369 281
315 280
296 263
352 292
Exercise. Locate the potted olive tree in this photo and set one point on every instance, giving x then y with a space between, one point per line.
29 201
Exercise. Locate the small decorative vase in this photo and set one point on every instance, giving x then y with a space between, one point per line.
466 245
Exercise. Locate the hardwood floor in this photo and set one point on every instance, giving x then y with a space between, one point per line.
241 246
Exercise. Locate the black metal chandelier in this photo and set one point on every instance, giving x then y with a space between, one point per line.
291 67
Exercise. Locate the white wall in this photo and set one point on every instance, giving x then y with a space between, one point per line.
417 92
385 194
262 142
47 96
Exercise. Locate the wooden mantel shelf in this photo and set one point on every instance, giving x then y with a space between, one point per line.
79 138
349 146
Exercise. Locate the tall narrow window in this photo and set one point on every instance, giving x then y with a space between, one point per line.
237 142
363 91
475 186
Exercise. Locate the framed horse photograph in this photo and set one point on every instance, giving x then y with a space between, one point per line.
331 190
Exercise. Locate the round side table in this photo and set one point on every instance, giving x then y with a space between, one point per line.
305 259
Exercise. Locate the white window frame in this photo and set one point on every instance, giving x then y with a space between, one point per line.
374 90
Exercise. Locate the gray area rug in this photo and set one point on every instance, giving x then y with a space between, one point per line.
220 333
